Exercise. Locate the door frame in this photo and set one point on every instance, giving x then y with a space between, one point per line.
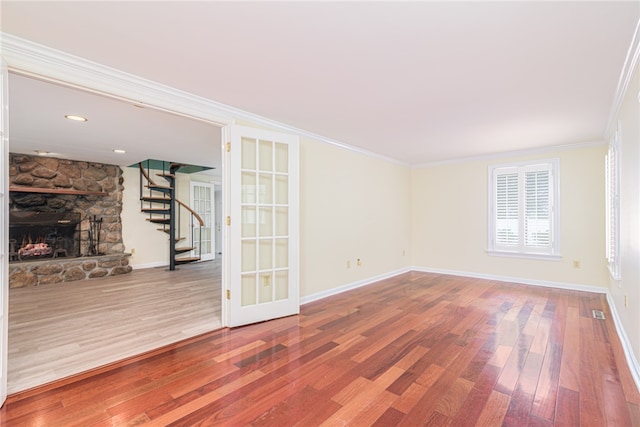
29 59
23 57
4 228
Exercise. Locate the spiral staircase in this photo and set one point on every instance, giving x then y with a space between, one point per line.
158 201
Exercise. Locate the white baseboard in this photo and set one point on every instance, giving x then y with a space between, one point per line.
520 280
353 285
149 265
632 361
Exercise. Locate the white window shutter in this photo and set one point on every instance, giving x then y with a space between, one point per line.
612 164
537 212
524 209
507 230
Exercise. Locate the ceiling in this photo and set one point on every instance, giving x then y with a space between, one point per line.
37 123
418 82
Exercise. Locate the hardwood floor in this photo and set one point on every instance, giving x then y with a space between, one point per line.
417 349
62 329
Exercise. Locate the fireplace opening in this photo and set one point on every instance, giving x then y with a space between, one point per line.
43 235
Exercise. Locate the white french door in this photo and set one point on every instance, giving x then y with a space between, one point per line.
4 227
202 202
263 226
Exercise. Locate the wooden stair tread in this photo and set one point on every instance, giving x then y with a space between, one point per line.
166 175
166 230
156 210
184 249
187 259
159 220
158 187
155 199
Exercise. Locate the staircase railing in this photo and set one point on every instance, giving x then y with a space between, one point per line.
162 215
193 216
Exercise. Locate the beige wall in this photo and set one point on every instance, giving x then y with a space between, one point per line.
449 226
629 118
151 246
351 206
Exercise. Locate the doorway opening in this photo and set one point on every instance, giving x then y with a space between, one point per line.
59 329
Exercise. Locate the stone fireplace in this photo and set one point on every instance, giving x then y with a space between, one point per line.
64 220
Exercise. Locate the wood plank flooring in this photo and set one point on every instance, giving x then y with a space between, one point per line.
416 349
62 329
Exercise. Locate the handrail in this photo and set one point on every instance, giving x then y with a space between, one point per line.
200 220
146 175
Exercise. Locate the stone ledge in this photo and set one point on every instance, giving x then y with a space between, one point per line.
35 273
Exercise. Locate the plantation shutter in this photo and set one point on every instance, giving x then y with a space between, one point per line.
506 209
537 207
613 206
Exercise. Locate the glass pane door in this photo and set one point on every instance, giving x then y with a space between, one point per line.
266 211
202 202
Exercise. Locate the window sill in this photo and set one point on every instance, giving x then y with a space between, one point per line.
614 274
525 255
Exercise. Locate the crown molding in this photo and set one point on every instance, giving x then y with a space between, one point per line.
35 60
515 153
41 62
626 75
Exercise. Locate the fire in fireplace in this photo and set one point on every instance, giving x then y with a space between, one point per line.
43 235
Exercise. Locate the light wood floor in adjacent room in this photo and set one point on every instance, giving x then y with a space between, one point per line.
417 349
61 329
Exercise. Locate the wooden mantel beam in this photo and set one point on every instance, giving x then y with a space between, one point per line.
15 188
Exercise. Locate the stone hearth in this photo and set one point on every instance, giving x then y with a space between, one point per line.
67 269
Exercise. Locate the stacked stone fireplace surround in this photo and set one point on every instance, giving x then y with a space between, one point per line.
39 174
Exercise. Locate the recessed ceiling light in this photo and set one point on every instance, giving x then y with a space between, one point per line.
119 151
41 152
76 118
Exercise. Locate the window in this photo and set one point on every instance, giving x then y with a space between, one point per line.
612 164
523 209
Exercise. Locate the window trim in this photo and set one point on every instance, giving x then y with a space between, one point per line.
552 253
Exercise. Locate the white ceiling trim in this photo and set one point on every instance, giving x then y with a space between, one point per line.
515 153
628 70
35 60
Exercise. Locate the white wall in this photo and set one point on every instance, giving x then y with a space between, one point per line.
450 220
629 118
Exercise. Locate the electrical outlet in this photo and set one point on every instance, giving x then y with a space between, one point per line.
133 251
359 262
626 301
348 263
576 264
